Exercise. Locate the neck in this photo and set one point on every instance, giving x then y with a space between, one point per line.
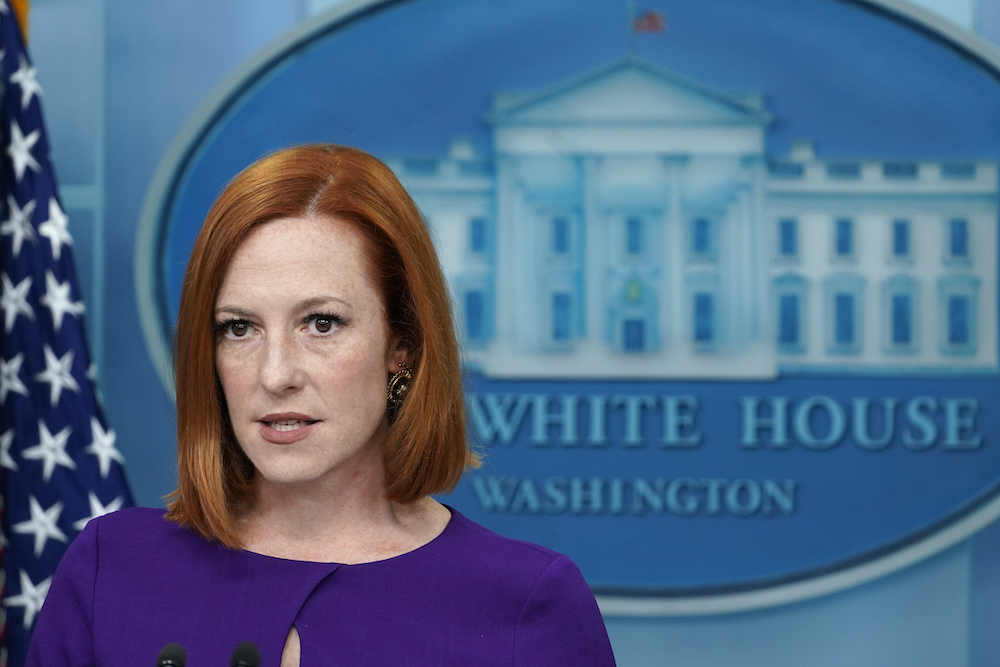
344 521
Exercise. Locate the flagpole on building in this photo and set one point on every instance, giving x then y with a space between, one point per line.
645 20
633 11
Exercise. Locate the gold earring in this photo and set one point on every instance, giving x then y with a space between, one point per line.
399 384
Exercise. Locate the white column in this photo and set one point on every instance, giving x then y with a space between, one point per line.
594 262
672 315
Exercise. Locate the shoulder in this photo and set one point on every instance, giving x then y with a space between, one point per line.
139 524
522 569
555 617
100 569
466 538
146 520
142 537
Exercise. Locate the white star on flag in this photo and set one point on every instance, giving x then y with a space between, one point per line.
3 7
58 372
42 525
6 440
56 299
18 224
103 447
55 228
14 301
25 77
98 510
51 450
10 377
19 150
31 598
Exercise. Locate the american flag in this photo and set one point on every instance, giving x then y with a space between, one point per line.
648 20
58 461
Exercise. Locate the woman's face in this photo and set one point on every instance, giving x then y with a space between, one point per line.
303 351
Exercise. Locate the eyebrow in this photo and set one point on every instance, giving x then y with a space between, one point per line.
305 304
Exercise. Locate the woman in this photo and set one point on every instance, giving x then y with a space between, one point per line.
319 404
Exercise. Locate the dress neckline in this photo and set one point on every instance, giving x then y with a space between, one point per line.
429 544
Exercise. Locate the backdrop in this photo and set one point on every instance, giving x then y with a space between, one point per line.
727 287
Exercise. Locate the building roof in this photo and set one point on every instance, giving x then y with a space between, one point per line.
628 91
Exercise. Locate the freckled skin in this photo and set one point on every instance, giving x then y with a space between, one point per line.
303 330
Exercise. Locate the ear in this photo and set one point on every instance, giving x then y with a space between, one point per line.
399 353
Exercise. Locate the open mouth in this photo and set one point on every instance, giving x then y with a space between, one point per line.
288 424
287 428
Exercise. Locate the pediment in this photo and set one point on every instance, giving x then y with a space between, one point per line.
628 91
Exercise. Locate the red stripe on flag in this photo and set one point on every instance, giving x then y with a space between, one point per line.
649 21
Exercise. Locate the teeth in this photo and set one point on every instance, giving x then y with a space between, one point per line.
287 425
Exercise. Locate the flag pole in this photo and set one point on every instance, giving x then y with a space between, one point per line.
21 9
631 10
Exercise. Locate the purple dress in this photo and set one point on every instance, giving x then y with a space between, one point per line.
133 582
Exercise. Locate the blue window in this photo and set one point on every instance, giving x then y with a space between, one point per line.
901 238
844 313
788 237
474 314
560 235
902 319
843 170
477 235
845 237
635 335
703 307
786 169
789 319
958 320
958 170
899 314
958 238
561 306
633 236
843 308
791 296
701 236
958 317
900 170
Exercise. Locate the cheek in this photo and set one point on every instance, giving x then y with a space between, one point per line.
362 368
356 377
232 379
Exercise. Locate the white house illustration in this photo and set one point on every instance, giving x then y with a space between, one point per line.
630 224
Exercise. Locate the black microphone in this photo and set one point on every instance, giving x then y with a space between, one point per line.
246 655
172 655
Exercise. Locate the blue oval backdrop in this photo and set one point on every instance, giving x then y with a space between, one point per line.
725 272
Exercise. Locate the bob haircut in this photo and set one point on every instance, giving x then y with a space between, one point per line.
426 450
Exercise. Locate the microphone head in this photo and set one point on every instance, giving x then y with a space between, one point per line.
246 655
172 655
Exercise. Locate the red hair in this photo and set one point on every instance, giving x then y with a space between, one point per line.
426 450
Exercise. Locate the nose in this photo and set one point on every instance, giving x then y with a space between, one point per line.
281 370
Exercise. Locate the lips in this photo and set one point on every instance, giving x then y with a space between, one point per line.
286 428
287 424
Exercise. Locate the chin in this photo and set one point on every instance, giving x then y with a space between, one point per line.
288 475
286 479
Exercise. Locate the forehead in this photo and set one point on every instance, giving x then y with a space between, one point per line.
299 254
